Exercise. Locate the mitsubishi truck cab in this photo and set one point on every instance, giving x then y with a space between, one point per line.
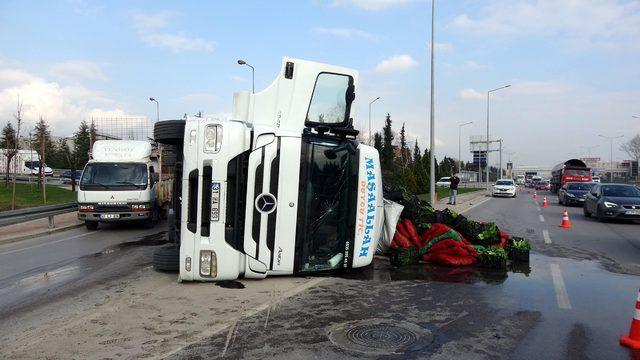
283 188
120 184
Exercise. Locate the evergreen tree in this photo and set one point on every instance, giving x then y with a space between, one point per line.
82 143
411 180
377 142
405 154
8 143
42 145
387 154
422 176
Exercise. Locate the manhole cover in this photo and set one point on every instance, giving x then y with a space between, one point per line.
380 336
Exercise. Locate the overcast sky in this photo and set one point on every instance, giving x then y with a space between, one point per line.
573 65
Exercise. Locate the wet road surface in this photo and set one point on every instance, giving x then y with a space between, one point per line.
572 302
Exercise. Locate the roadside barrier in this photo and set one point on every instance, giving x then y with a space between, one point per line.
544 202
632 340
12 217
565 220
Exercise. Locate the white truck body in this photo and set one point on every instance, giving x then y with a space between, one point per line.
25 162
272 192
119 183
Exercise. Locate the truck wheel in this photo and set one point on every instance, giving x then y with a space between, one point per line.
169 132
91 225
167 258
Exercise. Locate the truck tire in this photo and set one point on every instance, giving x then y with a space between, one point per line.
169 132
167 258
91 225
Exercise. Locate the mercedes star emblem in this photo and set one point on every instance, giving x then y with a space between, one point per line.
266 203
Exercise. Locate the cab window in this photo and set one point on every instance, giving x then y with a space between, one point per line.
331 100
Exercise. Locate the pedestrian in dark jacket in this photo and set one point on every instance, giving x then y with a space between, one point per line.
453 189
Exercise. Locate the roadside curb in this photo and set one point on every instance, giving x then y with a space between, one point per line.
48 232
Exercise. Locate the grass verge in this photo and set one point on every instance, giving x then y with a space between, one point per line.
443 192
29 195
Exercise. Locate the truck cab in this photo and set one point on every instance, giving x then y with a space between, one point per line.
119 184
284 187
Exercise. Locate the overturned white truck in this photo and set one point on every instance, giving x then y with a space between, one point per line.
283 188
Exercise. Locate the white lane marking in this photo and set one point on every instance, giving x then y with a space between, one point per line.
229 335
561 291
474 205
541 218
545 235
49 242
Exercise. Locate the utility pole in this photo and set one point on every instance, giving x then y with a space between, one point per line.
460 145
374 100
432 140
500 173
488 140
611 138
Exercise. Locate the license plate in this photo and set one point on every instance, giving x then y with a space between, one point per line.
110 216
215 201
633 212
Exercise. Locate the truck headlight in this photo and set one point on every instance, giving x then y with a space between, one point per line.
140 207
85 207
212 138
610 204
208 263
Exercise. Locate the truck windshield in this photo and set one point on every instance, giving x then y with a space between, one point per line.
114 176
326 204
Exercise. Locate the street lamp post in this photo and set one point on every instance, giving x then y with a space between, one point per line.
432 140
460 145
372 101
487 155
157 108
253 77
611 138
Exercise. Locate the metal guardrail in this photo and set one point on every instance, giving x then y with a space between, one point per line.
12 217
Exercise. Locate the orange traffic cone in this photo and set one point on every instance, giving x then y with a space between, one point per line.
544 202
565 220
633 339
535 195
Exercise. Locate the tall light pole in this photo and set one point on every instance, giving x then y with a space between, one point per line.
157 108
460 145
487 155
611 138
372 101
253 75
432 140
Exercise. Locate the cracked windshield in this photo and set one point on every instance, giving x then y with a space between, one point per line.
349 179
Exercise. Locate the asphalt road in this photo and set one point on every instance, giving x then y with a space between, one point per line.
572 302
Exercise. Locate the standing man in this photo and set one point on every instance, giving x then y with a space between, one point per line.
453 189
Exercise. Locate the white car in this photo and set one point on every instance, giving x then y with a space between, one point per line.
595 179
444 181
504 187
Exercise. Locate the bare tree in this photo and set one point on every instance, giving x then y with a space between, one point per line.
632 147
7 143
18 117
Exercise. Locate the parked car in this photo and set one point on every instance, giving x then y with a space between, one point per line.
67 174
574 193
595 179
444 181
543 185
613 201
504 187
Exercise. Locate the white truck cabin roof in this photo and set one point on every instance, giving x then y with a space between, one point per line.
121 150
285 104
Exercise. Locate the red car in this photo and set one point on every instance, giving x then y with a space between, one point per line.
543 185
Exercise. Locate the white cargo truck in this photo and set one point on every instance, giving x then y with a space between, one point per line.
120 183
283 188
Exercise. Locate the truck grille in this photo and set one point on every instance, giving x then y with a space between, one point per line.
113 208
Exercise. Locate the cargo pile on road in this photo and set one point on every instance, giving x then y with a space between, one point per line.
443 236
